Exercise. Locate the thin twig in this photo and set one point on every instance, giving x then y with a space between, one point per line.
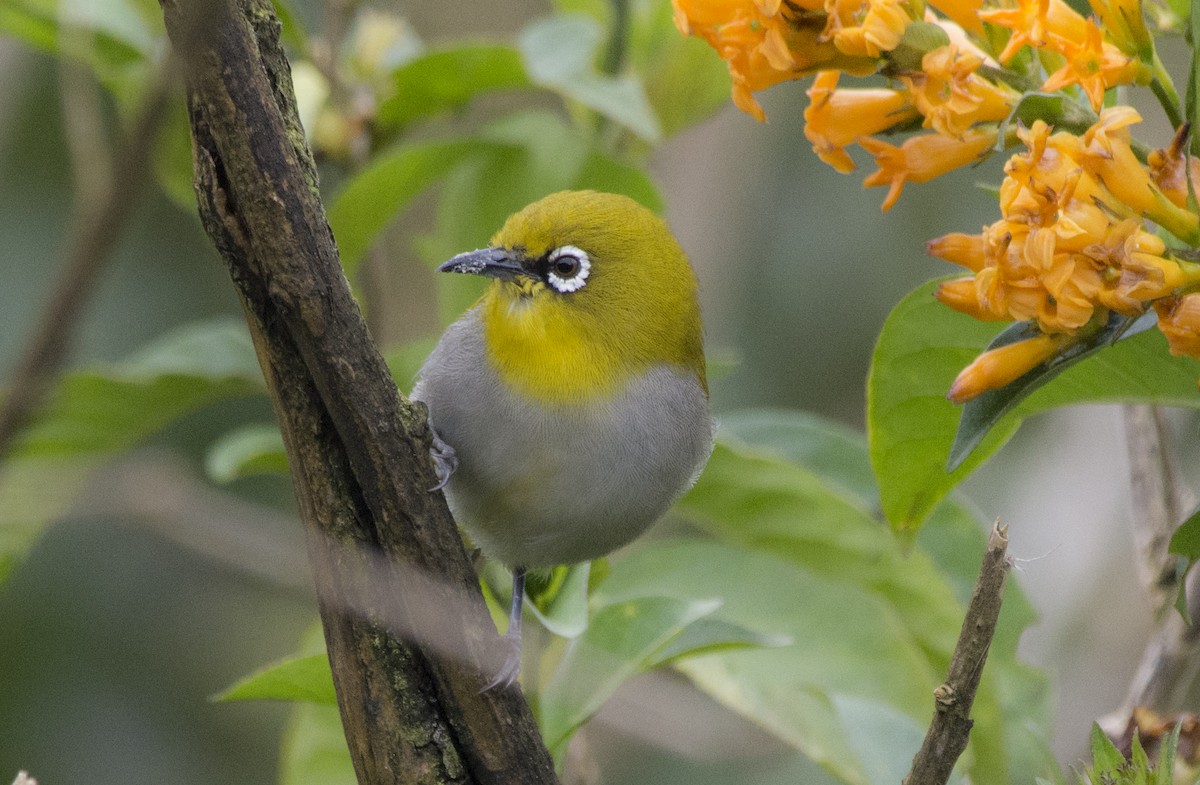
97 229
951 725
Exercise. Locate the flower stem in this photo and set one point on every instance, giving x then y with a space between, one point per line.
1164 90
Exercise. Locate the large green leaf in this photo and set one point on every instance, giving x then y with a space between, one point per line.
94 414
448 79
560 54
911 425
872 627
622 640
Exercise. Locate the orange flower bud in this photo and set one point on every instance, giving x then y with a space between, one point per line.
962 249
963 296
995 368
836 118
922 158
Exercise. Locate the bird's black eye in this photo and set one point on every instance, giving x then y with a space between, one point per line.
568 268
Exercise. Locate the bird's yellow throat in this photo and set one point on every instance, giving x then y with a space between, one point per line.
544 349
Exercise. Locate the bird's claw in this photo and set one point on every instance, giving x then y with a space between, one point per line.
445 461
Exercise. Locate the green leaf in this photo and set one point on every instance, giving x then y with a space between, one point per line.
314 750
245 452
93 414
305 678
1106 758
984 411
448 79
560 54
562 605
709 635
831 450
380 192
621 641
872 624
911 425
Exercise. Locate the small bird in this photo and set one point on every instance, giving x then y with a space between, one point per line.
570 404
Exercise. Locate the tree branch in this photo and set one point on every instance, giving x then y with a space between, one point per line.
951 725
1171 660
358 452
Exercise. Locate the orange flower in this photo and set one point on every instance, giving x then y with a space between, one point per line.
1034 22
964 13
760 44
1179 320
1005 364
921 158
836 118
1095 65
963 295
1111 159
866 28
951 96
962 249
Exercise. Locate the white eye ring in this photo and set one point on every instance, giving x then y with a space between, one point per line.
572 283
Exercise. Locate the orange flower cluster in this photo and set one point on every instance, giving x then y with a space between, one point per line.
765 42
1070 247
1072 244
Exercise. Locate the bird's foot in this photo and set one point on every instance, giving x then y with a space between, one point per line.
510 668
445 461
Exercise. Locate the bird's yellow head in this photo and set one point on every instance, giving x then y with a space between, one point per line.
590 290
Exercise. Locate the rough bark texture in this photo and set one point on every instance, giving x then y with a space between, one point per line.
951 725
359 453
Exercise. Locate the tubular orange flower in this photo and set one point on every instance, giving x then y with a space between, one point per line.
921 158
966 250
964 13
1179 320
760 44
836 118
963 295
1111 159
951 96
866 28
1034 22
1005 364
1095 65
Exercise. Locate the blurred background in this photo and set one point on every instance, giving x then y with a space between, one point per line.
122 621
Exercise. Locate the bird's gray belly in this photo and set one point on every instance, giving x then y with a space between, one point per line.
540 485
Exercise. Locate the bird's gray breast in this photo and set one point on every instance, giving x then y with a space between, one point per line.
540 485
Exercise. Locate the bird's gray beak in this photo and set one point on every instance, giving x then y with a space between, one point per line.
492 262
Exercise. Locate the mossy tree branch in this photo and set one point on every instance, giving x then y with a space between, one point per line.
358 451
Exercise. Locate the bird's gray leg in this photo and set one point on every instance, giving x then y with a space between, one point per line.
511 668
